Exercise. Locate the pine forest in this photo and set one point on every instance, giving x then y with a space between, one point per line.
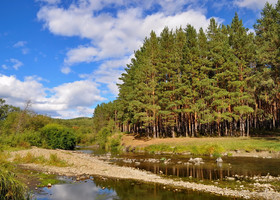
222 81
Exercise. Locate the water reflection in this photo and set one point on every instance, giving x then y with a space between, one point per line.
209 170
200 172
112 189
84 190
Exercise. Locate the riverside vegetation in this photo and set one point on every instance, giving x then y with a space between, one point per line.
183 83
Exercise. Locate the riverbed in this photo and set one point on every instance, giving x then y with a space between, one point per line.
85 164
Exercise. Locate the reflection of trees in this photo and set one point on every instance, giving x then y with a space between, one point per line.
210 171
132 190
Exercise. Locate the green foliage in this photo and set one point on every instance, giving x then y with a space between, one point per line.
102 137
6 109
114 142
10 188
57 136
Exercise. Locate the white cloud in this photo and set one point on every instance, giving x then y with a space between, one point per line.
113 36
108 73
65 101
17 92
20 44
79 93
16 64
80 54
253 4
50 1
65 70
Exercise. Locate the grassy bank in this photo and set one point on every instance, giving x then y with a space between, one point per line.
16 183
10 186
203 146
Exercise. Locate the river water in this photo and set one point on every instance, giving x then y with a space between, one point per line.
172 166
179 165
112 189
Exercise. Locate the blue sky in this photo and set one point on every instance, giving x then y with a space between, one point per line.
66 55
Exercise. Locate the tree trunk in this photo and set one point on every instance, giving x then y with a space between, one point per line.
248 127
195 123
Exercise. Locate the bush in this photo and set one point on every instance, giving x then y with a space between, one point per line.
32 137
114 142
58 137
85 139
102 137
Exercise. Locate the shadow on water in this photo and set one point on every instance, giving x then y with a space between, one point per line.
101 189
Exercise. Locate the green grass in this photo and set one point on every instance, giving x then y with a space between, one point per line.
216 146
10 187
45 179
54 160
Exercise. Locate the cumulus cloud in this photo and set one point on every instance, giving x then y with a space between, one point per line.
80 54
17 92
65 101
114 36
253 4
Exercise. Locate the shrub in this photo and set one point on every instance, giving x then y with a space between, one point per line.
102 137
33 138
58 137
114 142
85 139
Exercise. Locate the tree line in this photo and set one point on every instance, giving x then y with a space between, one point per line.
223 81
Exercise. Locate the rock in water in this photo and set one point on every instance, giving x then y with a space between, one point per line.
219 160
196 161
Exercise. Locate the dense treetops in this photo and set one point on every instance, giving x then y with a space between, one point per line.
220 81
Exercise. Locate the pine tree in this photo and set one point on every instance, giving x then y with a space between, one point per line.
268 42
243 49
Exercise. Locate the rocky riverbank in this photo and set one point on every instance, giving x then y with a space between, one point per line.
80 164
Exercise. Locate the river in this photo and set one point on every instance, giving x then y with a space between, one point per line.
171 166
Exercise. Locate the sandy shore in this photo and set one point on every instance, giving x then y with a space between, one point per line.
85 164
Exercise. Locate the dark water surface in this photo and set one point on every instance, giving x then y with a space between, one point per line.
112 189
